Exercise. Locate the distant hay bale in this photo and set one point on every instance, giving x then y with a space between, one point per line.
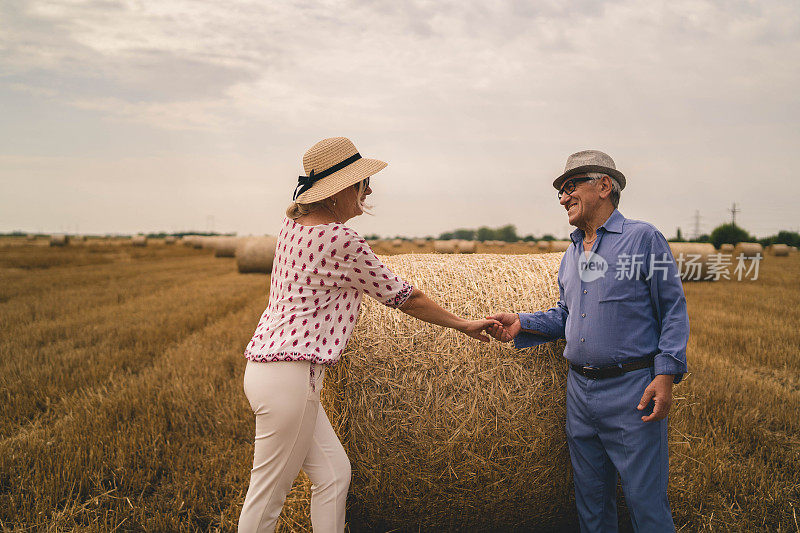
726 248
445 433
693 259
466 247
225 246
779 250
77 238
397 243
792 249
543 245
170 239
420 243
209 243
30 237
531 244
444 247
559 246
59 239
749 250
139 240
256 254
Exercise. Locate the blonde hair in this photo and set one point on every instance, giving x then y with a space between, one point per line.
296 210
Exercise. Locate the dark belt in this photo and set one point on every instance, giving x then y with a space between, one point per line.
612 371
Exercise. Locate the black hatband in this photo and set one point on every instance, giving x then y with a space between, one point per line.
306 182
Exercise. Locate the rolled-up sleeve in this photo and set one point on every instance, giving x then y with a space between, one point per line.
550 323
669 304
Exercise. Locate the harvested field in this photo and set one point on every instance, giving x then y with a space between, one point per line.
123 407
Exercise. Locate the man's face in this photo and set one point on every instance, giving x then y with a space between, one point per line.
581 202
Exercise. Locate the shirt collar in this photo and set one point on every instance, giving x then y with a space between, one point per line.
613 224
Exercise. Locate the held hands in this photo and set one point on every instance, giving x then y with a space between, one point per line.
507 326
476 328
660 392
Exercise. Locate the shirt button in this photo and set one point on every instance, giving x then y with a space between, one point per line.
584 291
583 315
583 340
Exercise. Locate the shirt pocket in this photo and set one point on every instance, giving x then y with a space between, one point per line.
619 290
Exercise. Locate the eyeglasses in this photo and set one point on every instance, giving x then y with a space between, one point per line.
365 181
569 187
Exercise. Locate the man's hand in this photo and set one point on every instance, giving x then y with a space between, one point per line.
509 329
660 392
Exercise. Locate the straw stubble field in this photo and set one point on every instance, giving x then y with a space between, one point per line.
122 405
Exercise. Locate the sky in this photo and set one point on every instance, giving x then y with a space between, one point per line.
147 115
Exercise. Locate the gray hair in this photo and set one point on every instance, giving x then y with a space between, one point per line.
615 188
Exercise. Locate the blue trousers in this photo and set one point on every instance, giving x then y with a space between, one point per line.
606 436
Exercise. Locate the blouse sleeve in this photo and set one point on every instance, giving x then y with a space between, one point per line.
369 275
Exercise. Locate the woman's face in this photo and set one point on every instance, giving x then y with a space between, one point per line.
348 204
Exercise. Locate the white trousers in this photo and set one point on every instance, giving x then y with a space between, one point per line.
292 433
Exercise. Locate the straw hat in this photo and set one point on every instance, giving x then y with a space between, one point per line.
332 165
590 161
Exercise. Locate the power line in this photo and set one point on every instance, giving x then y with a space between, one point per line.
733 210
696 224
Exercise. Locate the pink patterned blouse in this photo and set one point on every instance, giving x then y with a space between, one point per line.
318 278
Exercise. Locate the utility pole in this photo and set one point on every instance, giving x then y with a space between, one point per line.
733 210
696 225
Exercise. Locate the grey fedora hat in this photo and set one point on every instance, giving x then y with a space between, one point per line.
590 161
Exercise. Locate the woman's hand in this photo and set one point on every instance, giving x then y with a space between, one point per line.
420 306
476 328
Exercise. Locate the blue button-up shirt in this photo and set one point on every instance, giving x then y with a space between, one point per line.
622 302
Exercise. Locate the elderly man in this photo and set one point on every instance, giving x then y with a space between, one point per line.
623 314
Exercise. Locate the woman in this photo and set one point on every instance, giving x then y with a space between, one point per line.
320 272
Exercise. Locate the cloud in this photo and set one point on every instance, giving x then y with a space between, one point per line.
455 90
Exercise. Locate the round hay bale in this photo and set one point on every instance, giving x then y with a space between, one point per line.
256 254
543 245
466 247
559 246
444 247
792 249
209 243
139 240
779 250
30 237
445 433
531 244
420 243
692 259
59 239
397 243
225 246
749 250
170 239
726 248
